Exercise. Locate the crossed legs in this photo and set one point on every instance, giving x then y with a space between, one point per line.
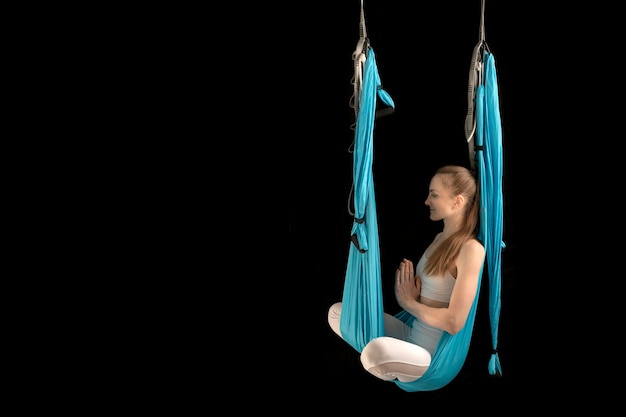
392 356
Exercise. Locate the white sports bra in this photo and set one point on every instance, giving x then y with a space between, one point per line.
435 288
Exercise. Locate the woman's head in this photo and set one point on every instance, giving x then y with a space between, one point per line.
453 193
452 197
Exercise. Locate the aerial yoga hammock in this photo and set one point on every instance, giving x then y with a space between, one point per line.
362 311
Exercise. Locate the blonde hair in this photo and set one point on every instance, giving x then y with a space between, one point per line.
458 181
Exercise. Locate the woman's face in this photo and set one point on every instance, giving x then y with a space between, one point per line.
439 199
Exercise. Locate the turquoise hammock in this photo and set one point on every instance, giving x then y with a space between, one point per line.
362 309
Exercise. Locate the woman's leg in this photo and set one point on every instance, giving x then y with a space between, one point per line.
393 327
389 358
334 318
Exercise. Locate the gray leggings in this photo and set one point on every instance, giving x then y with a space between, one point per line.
403 353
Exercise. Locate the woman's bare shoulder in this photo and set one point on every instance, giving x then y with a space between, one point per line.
473 247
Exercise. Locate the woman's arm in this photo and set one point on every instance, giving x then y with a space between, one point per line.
451 318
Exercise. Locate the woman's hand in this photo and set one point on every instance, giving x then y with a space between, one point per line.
408 285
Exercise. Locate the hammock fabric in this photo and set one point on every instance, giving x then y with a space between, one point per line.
362 310
362 295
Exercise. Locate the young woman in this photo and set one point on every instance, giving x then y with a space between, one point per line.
439 291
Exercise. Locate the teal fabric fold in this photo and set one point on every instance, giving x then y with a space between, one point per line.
362 308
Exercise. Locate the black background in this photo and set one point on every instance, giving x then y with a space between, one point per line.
233 195
279 170
423 59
